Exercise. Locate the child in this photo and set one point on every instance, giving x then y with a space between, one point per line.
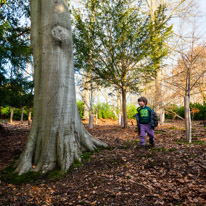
144 121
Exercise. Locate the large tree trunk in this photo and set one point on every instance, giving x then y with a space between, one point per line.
187 119
57 136
11 115
124 108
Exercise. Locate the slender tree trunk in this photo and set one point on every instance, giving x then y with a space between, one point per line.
57 136
187 119
122 121
22 115
91 113
91 121
96 116
162 116
85 98
97 106
158 94
86 102
124 108
202 90
11 115
119 108
29 117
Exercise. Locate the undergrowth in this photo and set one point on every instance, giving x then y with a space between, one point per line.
196 142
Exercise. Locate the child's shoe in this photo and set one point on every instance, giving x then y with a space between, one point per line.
151 145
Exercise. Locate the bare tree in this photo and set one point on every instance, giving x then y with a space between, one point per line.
186 78
180 11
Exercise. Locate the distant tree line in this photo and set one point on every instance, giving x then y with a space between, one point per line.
197 110
16 80
107 111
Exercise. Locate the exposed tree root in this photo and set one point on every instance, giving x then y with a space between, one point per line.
68 149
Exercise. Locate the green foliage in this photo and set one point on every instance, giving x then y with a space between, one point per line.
7 175
15 53
76 163
15 34
201 115
80 106
105 111
131 111
196 142
5 113
159 33
84 158
127 145
174 109
17 114
180 111
174 128
112 37
172 149
119 45
54 174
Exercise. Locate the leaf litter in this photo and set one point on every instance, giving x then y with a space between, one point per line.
172 173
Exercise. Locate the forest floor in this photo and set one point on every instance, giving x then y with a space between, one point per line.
171 173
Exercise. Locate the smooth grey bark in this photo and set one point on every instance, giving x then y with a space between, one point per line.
91 121
162 116
57 136
86 107
85 98
187 119
96 111
122 121
91 112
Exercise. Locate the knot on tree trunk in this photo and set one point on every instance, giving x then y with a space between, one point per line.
61 34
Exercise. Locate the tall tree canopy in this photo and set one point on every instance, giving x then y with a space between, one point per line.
15 51
126 45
